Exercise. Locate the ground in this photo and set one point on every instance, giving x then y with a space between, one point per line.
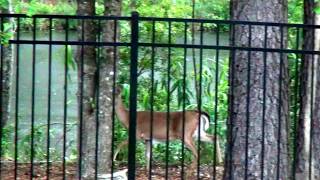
7 172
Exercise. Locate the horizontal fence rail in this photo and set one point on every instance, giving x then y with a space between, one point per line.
98 97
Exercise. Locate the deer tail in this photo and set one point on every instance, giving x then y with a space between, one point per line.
204 121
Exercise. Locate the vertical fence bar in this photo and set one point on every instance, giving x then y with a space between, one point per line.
49 98
16 117
280 102
33 96
296 101
1 108
231 99
81 102
200 99
65 99
97 88
133 95
168 102
248 103
264 100
152 97
113 91
184 97
216 103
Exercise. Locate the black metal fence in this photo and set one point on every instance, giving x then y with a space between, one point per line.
56 98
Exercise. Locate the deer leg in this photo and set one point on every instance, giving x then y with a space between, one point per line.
210 138
123 143
218 151
148 153
190 145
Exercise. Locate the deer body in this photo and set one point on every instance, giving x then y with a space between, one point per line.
190 121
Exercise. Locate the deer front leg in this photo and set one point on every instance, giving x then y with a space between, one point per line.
119 147
148 153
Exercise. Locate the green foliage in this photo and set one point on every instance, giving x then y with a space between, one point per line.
33 7
294 72
7 142
164 8
71 63
37 7
295 11
178 8
39 145
4 4
209 10
317 9
6 34
99 8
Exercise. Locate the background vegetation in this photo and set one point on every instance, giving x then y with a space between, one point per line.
210 9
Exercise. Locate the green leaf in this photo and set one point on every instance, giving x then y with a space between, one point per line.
70 60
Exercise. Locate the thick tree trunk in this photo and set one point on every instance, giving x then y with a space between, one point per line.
6 67
106 64
245 154
87 87
107 60
308 150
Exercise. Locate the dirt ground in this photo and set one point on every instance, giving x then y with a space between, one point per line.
23 171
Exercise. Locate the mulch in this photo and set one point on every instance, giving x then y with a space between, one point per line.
39 173
158 172
174 173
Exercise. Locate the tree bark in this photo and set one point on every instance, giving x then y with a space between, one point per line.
107 60
104 73
7 69
86 62
245 155
308 138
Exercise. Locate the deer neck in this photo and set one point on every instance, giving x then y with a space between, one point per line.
122 111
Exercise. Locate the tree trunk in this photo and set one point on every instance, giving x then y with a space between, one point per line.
107 61
245 154
308 138
6 67
87 88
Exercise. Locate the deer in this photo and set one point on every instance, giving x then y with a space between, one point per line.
159 124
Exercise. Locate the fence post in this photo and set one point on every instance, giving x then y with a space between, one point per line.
133 95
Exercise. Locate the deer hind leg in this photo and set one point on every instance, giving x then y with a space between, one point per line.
148 154
218 151
210 138
119 147
190 145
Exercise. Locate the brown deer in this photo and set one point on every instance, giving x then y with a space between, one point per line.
160 128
